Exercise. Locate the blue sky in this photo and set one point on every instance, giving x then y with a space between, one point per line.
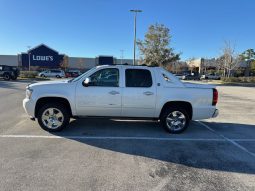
90 28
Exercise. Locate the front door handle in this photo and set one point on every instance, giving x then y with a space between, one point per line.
114 92
148 93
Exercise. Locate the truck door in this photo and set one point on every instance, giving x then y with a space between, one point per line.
139 93
103 95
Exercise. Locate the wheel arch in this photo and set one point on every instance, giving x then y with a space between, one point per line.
44 100
184 104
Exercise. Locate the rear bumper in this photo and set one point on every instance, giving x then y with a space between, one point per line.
216 113
206 112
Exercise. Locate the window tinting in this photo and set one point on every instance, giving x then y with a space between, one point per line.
106 77
138 78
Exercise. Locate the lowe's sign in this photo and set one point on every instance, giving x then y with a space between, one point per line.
42 56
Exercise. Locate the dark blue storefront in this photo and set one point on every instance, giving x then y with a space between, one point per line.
41 57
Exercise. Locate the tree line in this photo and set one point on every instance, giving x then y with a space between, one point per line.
155 50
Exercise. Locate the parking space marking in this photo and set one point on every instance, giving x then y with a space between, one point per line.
232 141
110 137
122 138
241 140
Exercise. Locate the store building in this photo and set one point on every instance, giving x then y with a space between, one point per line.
43 57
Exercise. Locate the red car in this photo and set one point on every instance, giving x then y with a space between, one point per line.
71 74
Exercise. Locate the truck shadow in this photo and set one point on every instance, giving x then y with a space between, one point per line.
219 155
15 85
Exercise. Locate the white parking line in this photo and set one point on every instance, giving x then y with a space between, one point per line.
120 138
110 137
233 141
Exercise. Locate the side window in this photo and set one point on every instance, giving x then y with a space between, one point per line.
138 78
108 77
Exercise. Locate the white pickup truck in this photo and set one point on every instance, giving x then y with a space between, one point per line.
121 91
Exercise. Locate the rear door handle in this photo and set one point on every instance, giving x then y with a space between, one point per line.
114 92
148 93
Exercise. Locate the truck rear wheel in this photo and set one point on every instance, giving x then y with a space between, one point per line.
175 119
53 117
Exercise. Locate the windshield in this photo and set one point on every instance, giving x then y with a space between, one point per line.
81 76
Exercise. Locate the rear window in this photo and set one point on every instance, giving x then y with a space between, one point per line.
138 78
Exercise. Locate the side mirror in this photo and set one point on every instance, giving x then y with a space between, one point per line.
86 82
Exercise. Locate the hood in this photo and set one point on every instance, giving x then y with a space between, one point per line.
195 85
57 82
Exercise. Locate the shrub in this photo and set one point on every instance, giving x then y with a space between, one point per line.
28 74
239 79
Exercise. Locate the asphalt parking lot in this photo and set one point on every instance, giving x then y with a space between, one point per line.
92 154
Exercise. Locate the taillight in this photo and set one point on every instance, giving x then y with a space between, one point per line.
215 96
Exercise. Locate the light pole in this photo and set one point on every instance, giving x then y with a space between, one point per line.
28 57
121 61
135 13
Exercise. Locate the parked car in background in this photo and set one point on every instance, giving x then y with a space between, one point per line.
52 73
210 77
190 77
121 91
179 76
72 73
9 72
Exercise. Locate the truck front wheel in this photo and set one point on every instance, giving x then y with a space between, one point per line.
175 119
53 117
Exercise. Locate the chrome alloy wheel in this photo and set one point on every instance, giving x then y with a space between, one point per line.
52 118
176 120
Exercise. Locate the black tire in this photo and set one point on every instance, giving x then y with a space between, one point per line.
14 77
167 112
7 77
57 76
43 76
60 107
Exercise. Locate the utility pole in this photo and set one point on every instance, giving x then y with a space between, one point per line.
28 57
135 14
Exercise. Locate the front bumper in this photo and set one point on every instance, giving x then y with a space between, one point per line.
29 107
216 113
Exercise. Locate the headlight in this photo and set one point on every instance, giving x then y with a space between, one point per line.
29 92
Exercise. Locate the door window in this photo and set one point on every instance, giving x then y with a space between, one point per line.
108 77
138 78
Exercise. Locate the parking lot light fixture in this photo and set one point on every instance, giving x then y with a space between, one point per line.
135 11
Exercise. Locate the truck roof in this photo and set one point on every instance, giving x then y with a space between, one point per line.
127 65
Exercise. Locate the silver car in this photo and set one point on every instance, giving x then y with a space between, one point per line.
52 73
210 77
